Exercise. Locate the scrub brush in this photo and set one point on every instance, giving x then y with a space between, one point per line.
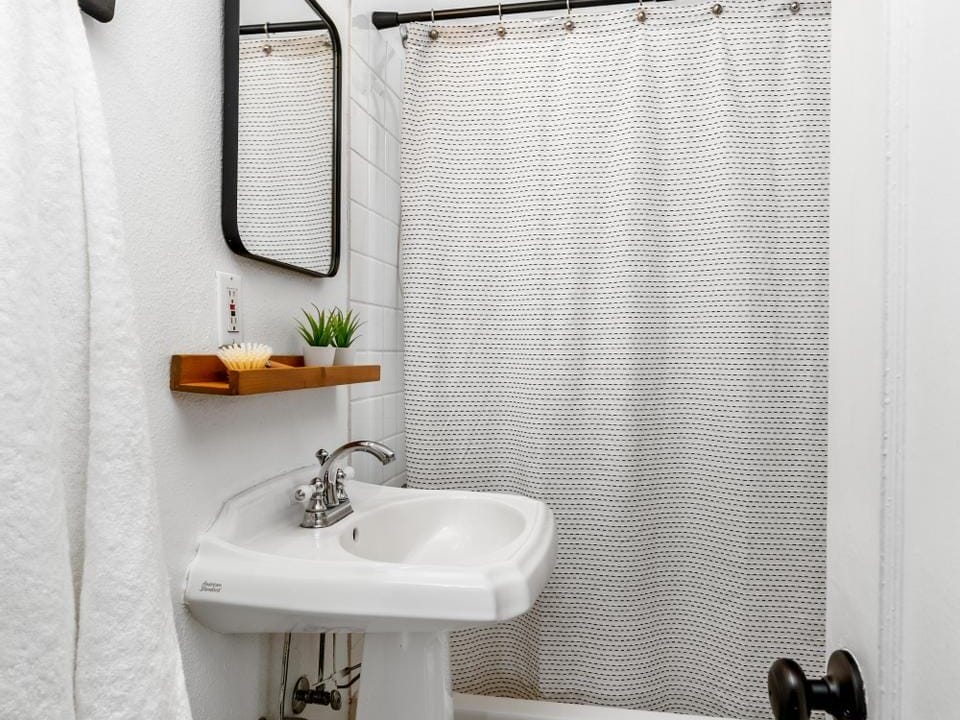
245 356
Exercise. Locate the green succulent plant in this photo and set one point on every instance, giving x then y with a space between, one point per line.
318 332
345 327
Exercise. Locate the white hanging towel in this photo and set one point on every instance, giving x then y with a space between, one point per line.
86 622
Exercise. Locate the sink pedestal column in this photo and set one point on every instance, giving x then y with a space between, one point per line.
405 676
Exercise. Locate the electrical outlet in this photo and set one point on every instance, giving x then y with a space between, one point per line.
229 312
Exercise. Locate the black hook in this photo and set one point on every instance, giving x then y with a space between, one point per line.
839 693
101 10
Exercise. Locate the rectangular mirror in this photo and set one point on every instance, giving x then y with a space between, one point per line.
281 134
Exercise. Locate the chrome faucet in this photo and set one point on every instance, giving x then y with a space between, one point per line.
328 502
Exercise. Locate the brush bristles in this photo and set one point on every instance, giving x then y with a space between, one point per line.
245 356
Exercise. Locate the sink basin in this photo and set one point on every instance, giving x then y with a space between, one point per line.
442 531
406 567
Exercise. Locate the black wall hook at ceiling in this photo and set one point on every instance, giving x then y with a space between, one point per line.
101 10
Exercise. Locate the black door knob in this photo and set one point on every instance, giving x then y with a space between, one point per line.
839 693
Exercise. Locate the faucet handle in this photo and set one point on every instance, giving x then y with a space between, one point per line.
304 492
322 456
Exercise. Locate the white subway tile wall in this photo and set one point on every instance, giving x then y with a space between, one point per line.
376 409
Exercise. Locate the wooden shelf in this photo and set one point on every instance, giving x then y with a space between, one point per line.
206 374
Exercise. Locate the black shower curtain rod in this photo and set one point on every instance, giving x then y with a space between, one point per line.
383 20
282 27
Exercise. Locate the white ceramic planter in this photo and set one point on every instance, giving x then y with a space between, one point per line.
318 355
346 356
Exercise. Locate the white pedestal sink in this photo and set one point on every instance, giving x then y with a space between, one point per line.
405 568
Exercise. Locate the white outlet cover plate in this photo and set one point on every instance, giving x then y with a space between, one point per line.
229 327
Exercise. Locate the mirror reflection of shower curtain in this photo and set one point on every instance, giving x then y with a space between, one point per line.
614 265
285 147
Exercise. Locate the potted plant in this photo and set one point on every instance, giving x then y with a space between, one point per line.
345 327
318 336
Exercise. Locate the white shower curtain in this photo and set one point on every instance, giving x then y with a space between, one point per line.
614 275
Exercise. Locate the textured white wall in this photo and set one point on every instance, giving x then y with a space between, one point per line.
159 66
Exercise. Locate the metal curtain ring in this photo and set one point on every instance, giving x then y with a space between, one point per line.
641 14
501 30
267 47
434 33
568 24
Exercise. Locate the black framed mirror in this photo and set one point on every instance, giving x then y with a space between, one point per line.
282 104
